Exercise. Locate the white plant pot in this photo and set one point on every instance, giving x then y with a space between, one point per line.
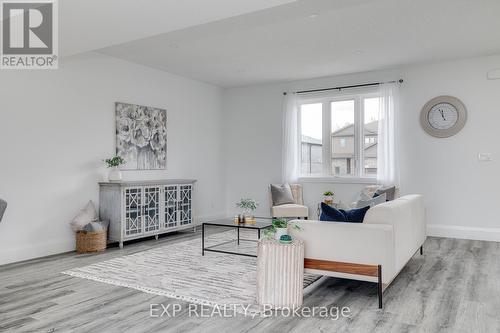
114 174
280 232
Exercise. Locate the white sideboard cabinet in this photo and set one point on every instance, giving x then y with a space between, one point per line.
137 209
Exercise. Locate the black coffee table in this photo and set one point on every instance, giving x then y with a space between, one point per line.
261 223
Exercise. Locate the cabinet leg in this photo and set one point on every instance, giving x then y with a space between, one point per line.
156 237
194 229
121 245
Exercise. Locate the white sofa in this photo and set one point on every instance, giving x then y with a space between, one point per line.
375 250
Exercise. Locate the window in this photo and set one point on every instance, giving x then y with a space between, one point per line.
342 136
370 132
339 136
311 123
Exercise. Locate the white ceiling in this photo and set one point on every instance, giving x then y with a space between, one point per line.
313 38
87 25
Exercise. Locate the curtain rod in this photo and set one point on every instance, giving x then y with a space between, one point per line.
346 87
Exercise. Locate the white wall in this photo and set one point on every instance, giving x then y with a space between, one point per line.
56 127
460 192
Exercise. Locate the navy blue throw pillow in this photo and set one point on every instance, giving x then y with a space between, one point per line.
329 213
355 215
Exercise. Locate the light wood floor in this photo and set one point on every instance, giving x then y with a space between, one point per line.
453 287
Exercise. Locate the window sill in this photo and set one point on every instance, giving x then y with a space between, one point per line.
339 180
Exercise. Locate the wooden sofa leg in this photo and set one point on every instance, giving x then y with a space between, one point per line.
422 250
380 291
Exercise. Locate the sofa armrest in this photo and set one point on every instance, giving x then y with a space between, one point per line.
371 244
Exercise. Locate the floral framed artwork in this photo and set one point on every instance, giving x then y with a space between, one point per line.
141 136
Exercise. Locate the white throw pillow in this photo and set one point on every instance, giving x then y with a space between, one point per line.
368 192
85 216
372 202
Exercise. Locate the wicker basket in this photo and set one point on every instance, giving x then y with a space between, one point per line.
90 242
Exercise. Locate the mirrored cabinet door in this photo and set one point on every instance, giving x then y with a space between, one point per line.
171 204
185 198
151 211
133 211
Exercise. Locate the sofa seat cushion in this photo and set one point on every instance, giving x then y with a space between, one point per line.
332 214
290 210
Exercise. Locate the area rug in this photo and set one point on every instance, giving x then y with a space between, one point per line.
180 271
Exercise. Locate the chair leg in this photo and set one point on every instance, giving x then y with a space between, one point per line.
422 250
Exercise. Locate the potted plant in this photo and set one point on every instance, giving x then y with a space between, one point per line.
279 228
247 206
328 197
113 164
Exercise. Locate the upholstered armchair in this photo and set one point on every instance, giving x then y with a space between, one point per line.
3 206
295 209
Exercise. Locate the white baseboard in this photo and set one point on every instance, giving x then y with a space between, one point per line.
37 250
40 250
461 232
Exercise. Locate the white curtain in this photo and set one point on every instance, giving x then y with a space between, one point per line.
290 158
388 136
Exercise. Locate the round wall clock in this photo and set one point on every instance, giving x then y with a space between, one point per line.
443 116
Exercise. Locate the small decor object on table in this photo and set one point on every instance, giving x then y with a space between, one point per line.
328 197
280 274
279 228
113 164
285 239
247 206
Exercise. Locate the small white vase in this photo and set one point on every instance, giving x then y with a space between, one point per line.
114 174
280 232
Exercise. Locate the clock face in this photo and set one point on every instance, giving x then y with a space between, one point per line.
443 116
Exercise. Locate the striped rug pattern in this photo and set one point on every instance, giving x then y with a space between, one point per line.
180 271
